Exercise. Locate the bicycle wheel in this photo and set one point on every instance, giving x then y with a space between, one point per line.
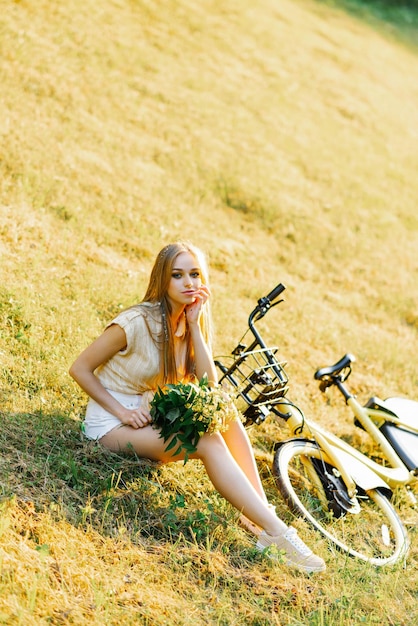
372 532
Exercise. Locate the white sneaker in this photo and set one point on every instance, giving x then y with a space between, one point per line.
296 553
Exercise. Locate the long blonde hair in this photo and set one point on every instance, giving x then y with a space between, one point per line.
157 292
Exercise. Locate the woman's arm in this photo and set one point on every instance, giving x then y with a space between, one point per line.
203 356
112 340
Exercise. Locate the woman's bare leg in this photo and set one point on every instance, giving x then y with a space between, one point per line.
239 445
226 475
233 484
145 442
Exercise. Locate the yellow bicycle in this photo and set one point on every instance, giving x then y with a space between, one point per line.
340 491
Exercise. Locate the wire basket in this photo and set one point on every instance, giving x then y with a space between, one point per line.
258 380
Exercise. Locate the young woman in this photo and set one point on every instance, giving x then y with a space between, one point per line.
166 339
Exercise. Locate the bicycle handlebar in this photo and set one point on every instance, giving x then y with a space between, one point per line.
264 304
274 293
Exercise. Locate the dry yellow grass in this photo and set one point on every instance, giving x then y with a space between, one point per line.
279 136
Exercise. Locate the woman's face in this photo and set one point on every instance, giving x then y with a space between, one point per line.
185 280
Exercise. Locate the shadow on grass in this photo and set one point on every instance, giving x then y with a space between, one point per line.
399 18
46 461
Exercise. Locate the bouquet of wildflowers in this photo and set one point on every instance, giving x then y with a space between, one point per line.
185 411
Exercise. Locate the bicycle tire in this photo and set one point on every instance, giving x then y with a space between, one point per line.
374 534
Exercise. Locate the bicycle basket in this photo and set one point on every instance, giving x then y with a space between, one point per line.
258 380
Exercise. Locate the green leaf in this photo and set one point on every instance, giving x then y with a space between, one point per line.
179 449
172 443
172 415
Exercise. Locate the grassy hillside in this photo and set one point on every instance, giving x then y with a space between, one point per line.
281 137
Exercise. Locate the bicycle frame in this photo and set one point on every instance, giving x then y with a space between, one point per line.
356 468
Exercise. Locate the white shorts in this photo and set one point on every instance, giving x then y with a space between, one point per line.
98 422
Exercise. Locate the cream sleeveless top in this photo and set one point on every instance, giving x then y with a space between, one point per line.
135 369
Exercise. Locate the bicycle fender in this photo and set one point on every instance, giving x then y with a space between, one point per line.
363 476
